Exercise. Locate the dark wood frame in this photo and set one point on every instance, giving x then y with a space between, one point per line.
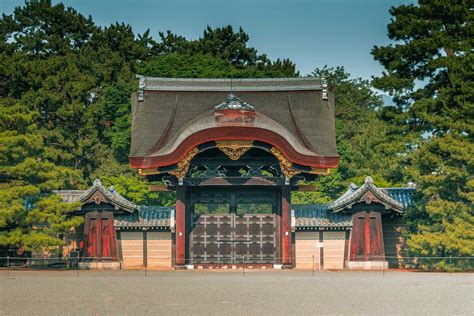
276 210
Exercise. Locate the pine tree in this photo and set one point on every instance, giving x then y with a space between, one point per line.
361 136
429 72
32 218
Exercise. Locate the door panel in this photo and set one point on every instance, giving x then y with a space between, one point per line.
91 236
231 227
100 235
105 239
366 237
376 237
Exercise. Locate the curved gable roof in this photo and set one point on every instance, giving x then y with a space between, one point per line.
97 193
297 111
367 193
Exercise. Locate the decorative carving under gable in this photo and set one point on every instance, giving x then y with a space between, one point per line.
97 198
183 165
285 165
369 197
234 149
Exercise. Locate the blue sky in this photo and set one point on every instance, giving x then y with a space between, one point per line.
310 33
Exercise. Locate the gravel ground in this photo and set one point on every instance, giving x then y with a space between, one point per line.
231 293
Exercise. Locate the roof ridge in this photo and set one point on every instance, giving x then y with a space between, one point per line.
230 84
232 79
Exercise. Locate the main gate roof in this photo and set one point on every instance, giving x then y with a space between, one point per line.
172 116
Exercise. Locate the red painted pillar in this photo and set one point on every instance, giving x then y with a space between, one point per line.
286 226
180 231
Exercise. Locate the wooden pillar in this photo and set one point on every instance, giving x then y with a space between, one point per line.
145 247
286 226
118 241
321 250
180 257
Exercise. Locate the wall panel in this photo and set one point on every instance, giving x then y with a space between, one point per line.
306 247
334 242
132 249
159 249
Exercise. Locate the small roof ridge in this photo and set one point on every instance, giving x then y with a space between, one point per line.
110 193
354 195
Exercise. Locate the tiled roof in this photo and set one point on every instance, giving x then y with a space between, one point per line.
69 196
83 195
402 195
318 216
303 216
162 216
147 217
297 109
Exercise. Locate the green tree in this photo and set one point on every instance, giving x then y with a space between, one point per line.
179 65
362 138
31 217
429 72
133 188
69 82
41 30
226 44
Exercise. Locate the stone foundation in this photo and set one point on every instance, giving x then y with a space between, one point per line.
94 265
367 265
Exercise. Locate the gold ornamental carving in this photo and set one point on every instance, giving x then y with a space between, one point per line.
285 165
147 172
322 171
234 149
183 165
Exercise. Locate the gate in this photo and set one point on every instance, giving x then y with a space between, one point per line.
99 235
232 227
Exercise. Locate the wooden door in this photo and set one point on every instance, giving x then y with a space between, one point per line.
231 227
255 232
99 235
212 238
367 237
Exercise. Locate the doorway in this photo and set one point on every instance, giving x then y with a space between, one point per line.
234 225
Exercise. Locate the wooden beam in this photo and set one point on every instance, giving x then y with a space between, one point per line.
158 188
147 172
306 188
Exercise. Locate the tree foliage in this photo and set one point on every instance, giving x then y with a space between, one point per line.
362 140
65 87
31 218
429 72
225 44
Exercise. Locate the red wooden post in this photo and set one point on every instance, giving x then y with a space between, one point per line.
286 226
377 250
180 258
367 252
